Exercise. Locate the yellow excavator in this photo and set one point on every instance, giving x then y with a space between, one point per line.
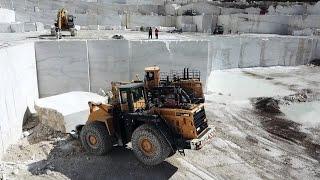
159 116
64 22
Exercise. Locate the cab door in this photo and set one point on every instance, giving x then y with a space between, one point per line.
126 101
138 99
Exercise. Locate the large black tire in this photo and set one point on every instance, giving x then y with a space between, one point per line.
96 139
150 145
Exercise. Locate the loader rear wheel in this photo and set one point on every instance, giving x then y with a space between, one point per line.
149 145
96 139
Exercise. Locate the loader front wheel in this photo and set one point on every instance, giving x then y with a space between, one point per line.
96 139
150 145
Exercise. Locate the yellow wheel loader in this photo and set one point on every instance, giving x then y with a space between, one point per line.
64 22
156 116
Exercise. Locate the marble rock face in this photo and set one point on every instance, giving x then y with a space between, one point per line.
5 28
65 111
18 77
7 16
109 61
17 27
30 27
62 67
246 51
168 55
145 21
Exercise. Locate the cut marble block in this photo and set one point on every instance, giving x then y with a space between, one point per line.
304 32
39 26
17 27
30 27
7 16
108 62
5 28
66 111
262 50
189 27
19 90
62 67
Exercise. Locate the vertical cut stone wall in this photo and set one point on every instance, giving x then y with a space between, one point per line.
18 91
254 51
62 67
65 66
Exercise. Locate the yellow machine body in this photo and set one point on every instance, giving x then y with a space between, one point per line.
62 18
192 85
152 77
103 113
182 120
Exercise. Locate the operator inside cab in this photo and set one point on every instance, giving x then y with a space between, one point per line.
132 97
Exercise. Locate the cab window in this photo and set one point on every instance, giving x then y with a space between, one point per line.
137 94
150 76
124 97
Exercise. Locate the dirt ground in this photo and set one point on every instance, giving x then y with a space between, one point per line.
249 144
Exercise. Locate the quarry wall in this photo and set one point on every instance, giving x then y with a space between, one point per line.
88 65
268 24
253 51
19 90
280 19
46 68
7 16
65 66
133 21
62 65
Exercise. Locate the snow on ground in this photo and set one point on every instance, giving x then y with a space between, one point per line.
306 114
232 114
295 79
240 85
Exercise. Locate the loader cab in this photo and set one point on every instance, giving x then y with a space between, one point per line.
71 21
70 18
132 97
152 77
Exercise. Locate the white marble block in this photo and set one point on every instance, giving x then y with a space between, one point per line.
62 67
7 16
28 27
64 112
17 27
18 91
5 28
109 61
